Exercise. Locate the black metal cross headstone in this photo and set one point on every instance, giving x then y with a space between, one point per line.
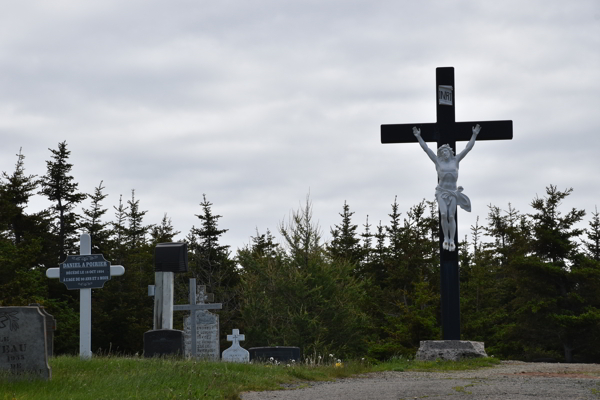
447 131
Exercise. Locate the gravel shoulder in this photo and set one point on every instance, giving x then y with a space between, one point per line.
510 380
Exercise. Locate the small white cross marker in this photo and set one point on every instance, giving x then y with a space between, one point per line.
235 337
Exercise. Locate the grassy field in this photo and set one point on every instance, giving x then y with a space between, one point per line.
160 379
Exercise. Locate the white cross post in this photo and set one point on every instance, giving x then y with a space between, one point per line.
85 299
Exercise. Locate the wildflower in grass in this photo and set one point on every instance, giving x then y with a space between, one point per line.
339 364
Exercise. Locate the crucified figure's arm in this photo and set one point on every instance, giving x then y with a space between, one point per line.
471 143
430 153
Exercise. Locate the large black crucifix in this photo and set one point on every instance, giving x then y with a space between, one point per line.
447 131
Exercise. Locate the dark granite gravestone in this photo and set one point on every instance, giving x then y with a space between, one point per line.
279 353
50 328
23 352
163 342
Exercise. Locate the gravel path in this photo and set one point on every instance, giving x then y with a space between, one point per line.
510 380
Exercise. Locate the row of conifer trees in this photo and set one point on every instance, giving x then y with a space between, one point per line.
530 282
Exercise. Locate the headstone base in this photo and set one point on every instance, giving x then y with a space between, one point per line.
279 353
453 350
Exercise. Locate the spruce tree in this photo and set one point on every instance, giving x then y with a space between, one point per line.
15 191
60 188
210 261
211 265
557 309
23 240
93 225
119 234
593 233
345 244
163 232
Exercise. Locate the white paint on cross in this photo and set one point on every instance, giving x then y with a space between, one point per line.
85 299
193 307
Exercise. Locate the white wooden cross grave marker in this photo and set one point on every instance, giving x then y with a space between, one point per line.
192 308
90 273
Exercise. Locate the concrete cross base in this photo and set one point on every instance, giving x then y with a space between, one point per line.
454 350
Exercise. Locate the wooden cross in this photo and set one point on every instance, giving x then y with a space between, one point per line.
447 131
85 298
197 298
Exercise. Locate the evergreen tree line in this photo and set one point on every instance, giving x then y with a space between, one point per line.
530 282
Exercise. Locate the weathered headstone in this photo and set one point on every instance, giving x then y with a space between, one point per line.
163 342
279 353
50 328
23 352
236 353
205 342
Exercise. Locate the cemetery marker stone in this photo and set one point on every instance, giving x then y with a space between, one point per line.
236 353
50 328
169 258
201 327
23 349
446 131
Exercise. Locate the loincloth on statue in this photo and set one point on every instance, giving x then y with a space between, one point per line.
461 199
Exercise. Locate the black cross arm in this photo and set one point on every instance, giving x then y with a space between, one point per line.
460 131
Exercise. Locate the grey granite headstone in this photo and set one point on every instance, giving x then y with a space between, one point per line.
50 328
207 335
23 351
207 325
236 353
454 350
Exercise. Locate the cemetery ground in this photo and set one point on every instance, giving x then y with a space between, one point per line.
113 377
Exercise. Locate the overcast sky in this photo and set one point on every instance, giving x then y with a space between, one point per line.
259 103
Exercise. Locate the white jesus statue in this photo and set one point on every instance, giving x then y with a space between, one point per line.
448 195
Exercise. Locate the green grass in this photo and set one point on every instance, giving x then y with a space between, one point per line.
148 379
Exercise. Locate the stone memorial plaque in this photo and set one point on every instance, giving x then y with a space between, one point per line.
236 353
163 342
207 335
23 351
